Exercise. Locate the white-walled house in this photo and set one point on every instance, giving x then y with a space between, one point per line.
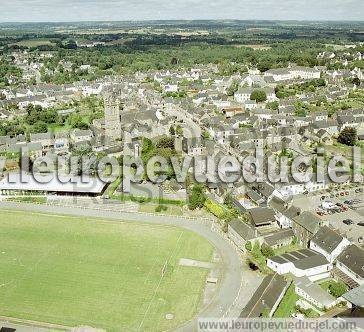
305 72
328 243
301 263
350 266
314 294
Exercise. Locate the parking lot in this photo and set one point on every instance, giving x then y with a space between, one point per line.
339 211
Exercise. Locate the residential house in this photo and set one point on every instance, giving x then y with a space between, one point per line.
301 263
350 266
284 213
61 144
267 297
305 226
241 233
278 75
261 217
279 239
328 243
314 294
78 135
45 139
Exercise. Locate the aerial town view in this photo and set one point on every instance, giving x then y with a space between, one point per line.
181 166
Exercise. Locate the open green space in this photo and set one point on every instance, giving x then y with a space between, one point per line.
77 271
287 306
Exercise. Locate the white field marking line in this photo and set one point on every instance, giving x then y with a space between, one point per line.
150 270
93 219
41 214
159 283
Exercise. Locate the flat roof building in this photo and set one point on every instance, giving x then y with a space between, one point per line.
52 183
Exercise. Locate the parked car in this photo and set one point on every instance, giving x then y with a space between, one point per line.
348 222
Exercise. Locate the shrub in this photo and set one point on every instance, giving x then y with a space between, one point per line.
161 208
267 251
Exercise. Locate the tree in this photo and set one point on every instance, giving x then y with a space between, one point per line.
165 143
248 246
39 127
179 130
267 251
348 136
259 96
76 121
356 81
197 197
205 135
273 105
230 91
337 289
172 131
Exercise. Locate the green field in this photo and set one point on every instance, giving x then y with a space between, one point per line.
34 42
78 271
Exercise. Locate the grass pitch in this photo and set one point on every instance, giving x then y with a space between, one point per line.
78 271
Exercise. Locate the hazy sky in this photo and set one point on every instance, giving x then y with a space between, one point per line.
119 10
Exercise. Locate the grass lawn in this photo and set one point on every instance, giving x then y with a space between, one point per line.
79 271
28 199
287 305
289 248
34 42
329 283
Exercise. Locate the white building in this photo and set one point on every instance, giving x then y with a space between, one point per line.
301 263
350 266
328 243
314 294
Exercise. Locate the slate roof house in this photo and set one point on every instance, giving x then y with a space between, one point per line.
305 226
240 233
261 217
314 294
279 239
350 266
45 139
267 297
328 243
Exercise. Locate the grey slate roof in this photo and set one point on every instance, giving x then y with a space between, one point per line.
262 216
302 259
244 230
308 221
315 291
355 296
353 258
273 239
327 239
266 296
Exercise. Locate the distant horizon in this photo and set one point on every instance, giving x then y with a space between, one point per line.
183 20
68 11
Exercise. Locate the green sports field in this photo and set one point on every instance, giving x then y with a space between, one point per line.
77 271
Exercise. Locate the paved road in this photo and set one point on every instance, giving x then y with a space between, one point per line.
232 265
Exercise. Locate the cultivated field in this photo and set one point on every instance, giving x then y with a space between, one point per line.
78 271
